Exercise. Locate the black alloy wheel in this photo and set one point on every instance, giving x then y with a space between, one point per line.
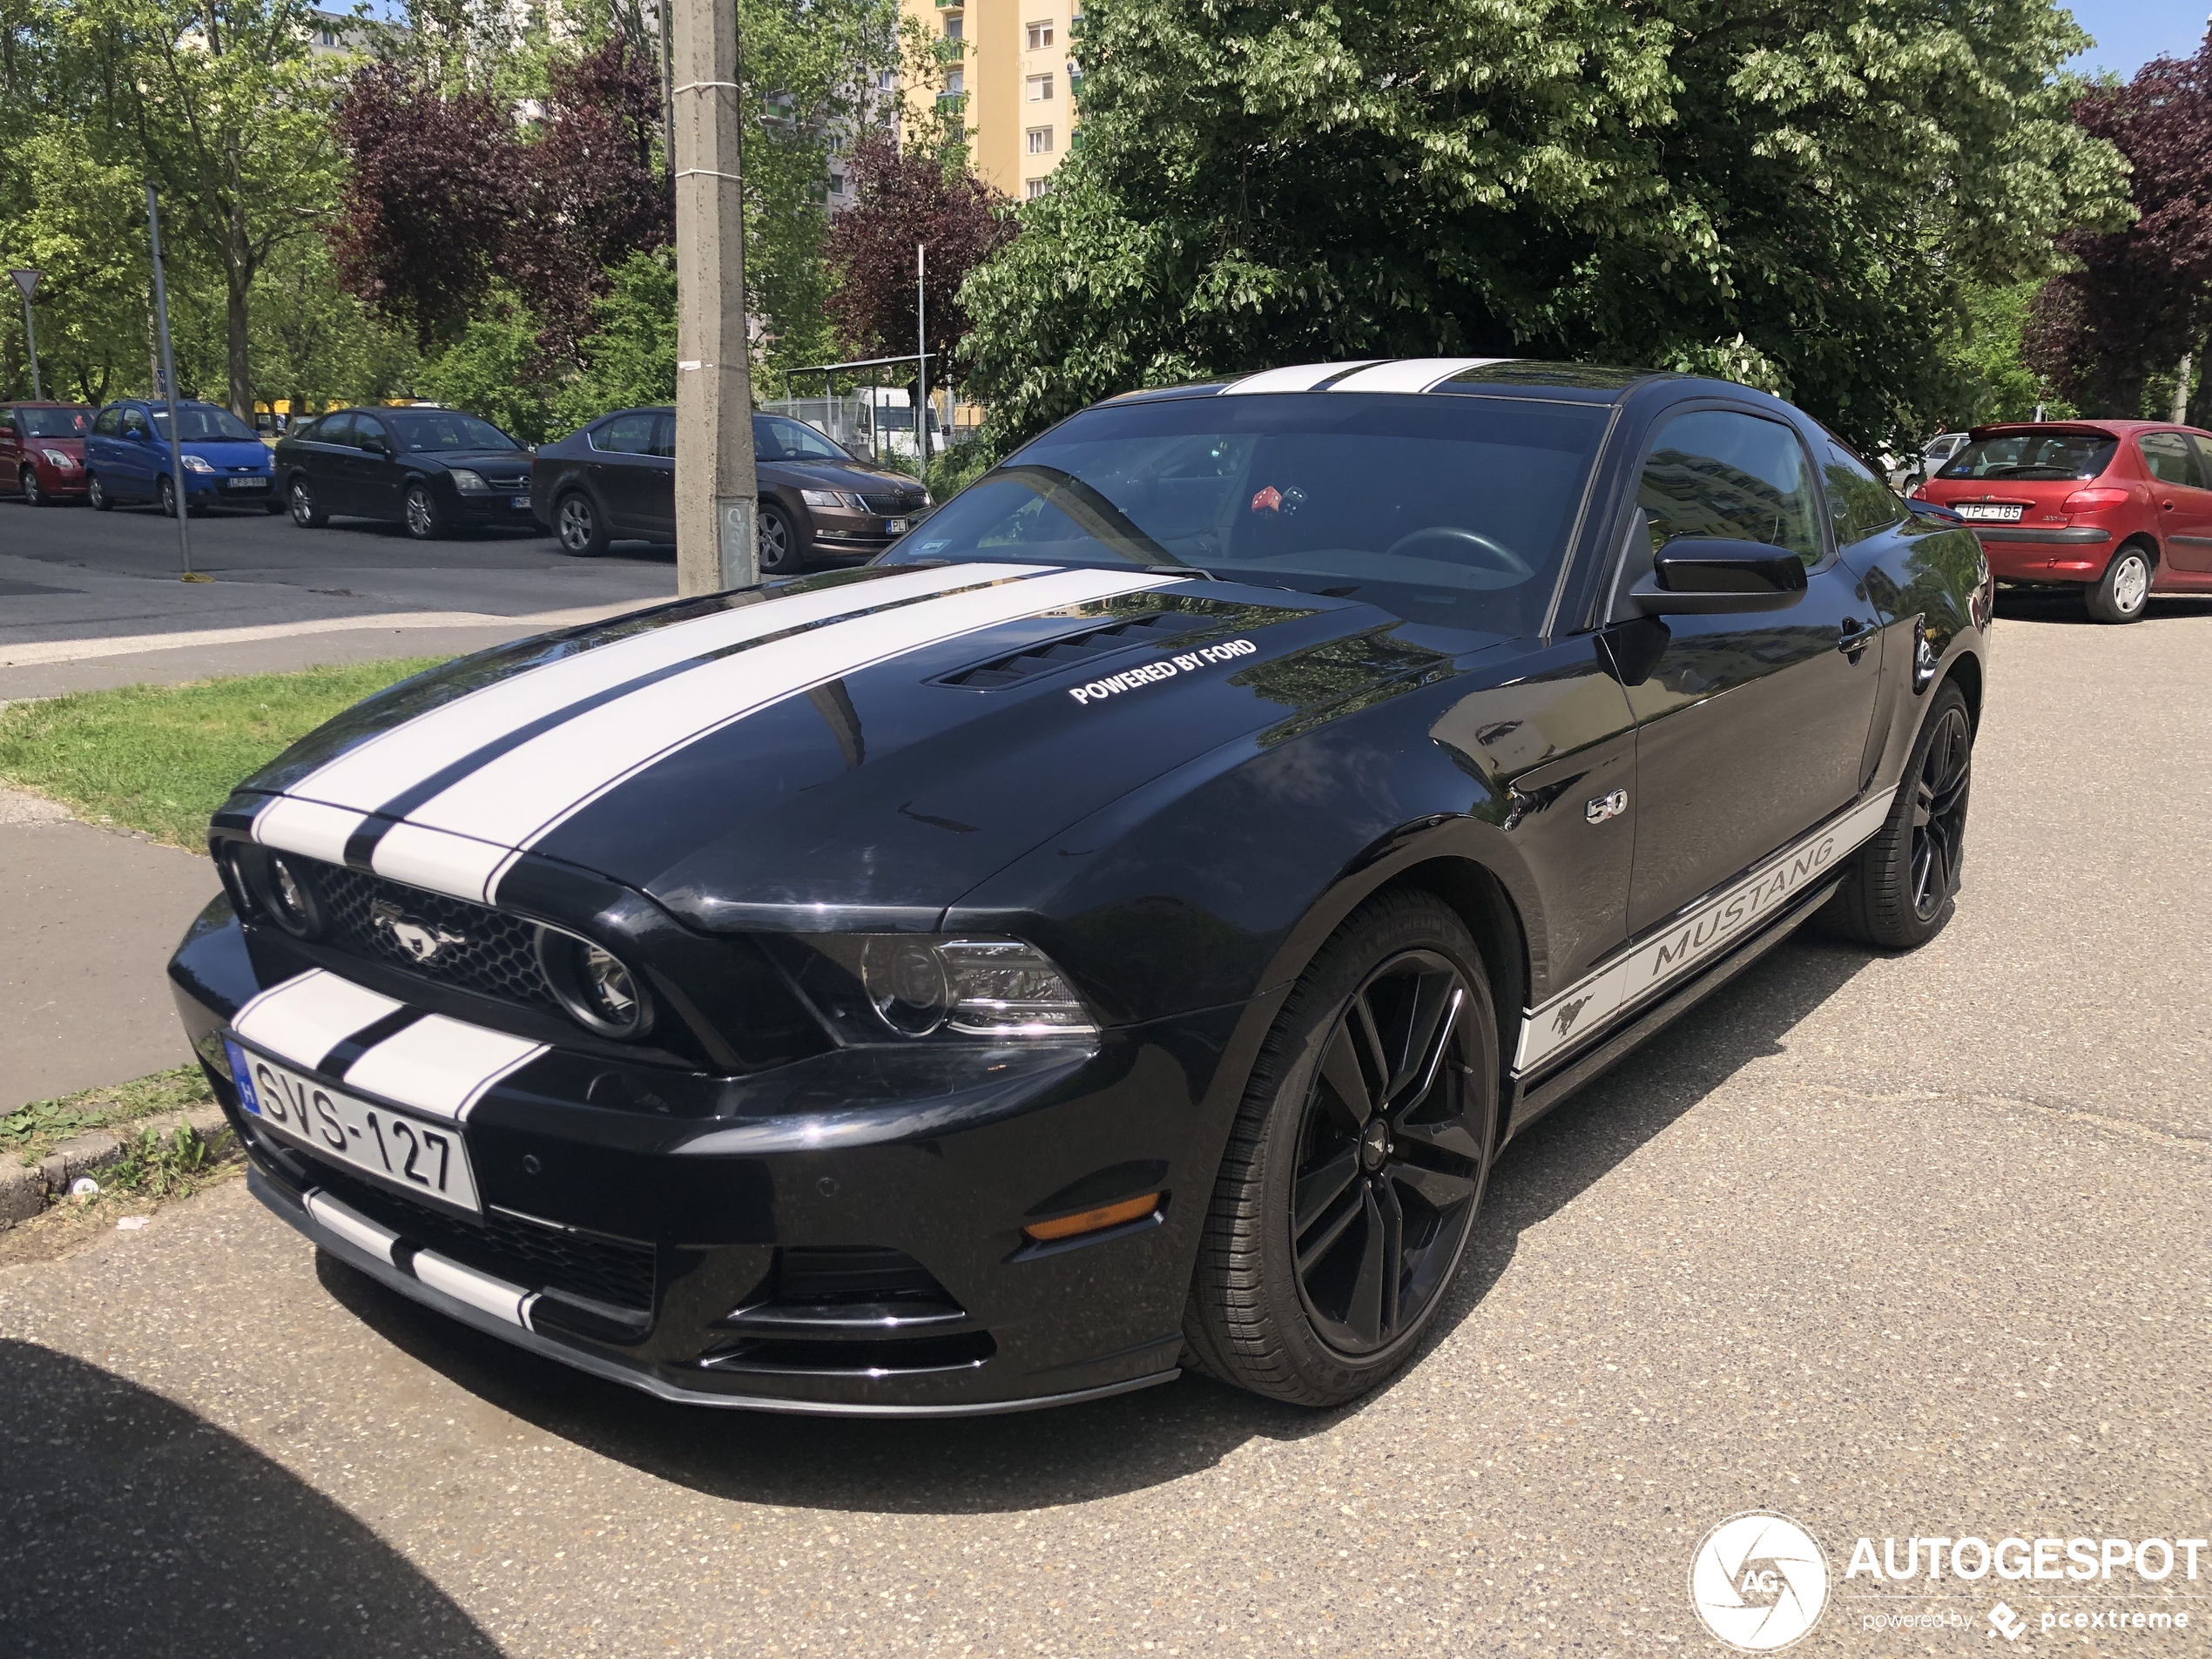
34 494
307 511
1900 891
95 493
578 525
167 492
421 514
1357 1165
779 542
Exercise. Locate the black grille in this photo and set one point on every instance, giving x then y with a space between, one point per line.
907 503
537 1257
479 949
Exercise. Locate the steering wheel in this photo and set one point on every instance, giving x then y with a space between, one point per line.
1493 554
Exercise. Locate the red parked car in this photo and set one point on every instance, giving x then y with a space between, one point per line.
41 450
2120 509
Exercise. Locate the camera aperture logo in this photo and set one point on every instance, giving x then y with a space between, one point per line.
1759 1582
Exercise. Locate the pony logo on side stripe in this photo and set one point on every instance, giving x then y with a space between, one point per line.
449 800
1695 938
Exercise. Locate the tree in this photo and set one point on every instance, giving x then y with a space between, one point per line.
219 103
910 200
629 357
2139 299
1792 196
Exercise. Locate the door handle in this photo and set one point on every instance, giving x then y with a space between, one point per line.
1855 639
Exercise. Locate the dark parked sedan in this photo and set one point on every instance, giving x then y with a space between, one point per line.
432 471
1118 929
818 503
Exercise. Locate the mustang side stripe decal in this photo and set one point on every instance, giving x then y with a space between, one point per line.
304 1018
1690 940
441 1065
393 762
500 810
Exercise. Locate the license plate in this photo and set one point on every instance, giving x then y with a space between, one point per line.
895 526
521 501
249 483
418 1156
1989 512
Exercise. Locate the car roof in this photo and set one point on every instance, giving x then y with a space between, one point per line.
1578 382
35 403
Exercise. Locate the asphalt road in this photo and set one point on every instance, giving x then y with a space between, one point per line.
1897 1246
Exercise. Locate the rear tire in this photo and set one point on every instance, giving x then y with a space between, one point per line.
1356 1166
307 511
578 523
2123 593
1902 890
95 493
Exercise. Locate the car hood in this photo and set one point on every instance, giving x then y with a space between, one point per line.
501 461
862 746
830 476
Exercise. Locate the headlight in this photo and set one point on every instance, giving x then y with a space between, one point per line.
829 498
873 986
464 479
60 458
600 991
278 891
196 464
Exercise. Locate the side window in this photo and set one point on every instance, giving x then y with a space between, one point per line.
626 435
2203 448
663 436
110 423
2170 458
369 432
336 429
1859 504
7 423
134 423
1718 475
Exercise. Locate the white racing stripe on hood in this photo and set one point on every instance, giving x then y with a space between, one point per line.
461 840
397 760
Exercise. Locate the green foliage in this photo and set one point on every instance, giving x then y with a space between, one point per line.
1794 198
32 1131
160 758
1986 354
630 356
154 1165
495 370
960 465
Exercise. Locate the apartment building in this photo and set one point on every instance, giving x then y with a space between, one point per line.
1017 72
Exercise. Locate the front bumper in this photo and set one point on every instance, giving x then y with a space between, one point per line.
497 507
713 1240
229 490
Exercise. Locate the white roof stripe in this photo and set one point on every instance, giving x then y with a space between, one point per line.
1411 373
1300 377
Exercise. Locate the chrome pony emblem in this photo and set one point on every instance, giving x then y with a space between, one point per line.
419 940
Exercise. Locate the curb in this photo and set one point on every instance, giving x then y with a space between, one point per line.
25 1190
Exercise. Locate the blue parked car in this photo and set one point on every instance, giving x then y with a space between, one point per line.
126 458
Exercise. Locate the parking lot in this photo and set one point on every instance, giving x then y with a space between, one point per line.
1898 1247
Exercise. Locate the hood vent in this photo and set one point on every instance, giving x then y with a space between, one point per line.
1156 630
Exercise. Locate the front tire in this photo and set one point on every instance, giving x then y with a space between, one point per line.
95 493
34 494
1902 890
421 516
165 493
2123 593
578 522
1358 1161
778 544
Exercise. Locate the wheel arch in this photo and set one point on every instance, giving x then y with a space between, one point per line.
1966 675
1479 899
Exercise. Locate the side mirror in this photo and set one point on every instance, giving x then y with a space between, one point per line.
1691 577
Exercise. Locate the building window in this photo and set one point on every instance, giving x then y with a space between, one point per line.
955 26
1040 141
1036 187
1040 89
1040 36
956 83
837 184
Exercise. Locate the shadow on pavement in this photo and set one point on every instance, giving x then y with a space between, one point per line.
131 1527
2064 606
1076 1453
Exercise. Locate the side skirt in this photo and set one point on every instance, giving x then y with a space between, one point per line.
1537 1097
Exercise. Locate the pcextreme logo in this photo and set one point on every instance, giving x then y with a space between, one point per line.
1759 1581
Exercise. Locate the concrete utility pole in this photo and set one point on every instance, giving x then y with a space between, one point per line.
2180 412
921 360
715 490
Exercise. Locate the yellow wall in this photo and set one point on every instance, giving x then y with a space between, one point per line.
997 65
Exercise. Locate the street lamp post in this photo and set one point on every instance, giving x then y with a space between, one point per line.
169 385
28 282
922 361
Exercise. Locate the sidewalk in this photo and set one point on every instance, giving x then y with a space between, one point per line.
91 916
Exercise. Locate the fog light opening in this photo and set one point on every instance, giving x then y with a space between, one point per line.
1091 1221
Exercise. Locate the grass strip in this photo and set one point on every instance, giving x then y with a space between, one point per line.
160 758
32 1131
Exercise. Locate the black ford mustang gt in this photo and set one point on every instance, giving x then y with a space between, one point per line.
1116 929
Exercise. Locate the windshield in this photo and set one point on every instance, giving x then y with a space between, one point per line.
428 429
53 423
2028 456
1444 508
203 421
775 438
